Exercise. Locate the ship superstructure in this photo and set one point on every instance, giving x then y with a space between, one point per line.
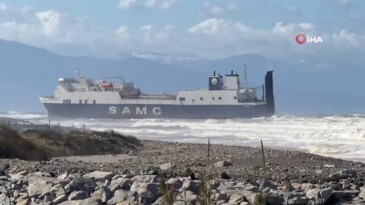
225 97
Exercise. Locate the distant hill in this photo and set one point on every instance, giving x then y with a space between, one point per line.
309 86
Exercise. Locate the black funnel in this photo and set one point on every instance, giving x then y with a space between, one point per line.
269 91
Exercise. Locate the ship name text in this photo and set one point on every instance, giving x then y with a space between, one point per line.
137 111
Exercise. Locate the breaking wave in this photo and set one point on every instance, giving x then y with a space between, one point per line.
335 136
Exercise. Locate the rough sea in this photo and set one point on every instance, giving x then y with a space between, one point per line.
341 136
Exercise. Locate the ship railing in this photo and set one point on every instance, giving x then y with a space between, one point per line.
150 97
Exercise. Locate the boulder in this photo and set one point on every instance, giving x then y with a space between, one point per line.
4 200
267 184
273 198
57 191
38 186
222 164
165 166
120 183
319 195
145 178
81 184
345 195
236 199
175 182
60 199
100 176
119 196
89 201
78 195
362 194
191 185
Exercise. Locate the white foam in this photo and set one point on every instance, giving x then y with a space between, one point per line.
335 136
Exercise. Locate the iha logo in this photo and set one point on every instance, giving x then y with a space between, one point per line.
302 39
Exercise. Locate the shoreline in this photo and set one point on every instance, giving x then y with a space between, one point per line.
237 176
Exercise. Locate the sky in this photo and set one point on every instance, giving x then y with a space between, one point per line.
211 29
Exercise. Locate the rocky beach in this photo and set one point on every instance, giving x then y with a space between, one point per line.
158 172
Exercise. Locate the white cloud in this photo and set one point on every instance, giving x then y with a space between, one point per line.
151 4
282 28
50 21
3 7
210 38
126 4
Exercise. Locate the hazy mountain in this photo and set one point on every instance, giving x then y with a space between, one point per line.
309 86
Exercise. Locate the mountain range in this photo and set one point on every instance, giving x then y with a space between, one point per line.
301 86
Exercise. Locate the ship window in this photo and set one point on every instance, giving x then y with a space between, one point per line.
63 101
201 98
80 101
219 98
193 100
85 101
182 99
235 97
94 101
213 98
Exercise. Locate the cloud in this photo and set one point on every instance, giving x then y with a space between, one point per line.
210 10
3 7
126 4
151 4
213 37
50 21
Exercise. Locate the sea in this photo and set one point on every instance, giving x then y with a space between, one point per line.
338 136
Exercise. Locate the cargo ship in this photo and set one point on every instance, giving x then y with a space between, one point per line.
225 98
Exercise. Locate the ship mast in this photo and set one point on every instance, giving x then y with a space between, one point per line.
245 75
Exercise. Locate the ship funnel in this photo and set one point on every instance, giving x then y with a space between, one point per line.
269 91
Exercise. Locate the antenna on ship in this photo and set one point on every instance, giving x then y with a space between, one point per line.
77 71
245 75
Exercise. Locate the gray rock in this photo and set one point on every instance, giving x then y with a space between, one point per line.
145 178
78 195
38 186
120 183
187 196
362 194
222 164
63 176
89 201
146 197
236 199
119 196
192 186
306 186
166 166
100 176
57 191
106 194
81 184
348 174
3 190
346 195
298 200
60 199
267 184
319 195
274 198
176 183
4 200
226 186
250 196
221 197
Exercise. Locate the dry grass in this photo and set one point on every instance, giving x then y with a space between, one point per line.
44 144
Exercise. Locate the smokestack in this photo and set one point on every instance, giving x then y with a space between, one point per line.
269 91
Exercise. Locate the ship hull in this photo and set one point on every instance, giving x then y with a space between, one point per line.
140 111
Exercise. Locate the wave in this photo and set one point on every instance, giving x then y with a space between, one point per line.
340 136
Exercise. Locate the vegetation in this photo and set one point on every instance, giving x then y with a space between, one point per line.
45 144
